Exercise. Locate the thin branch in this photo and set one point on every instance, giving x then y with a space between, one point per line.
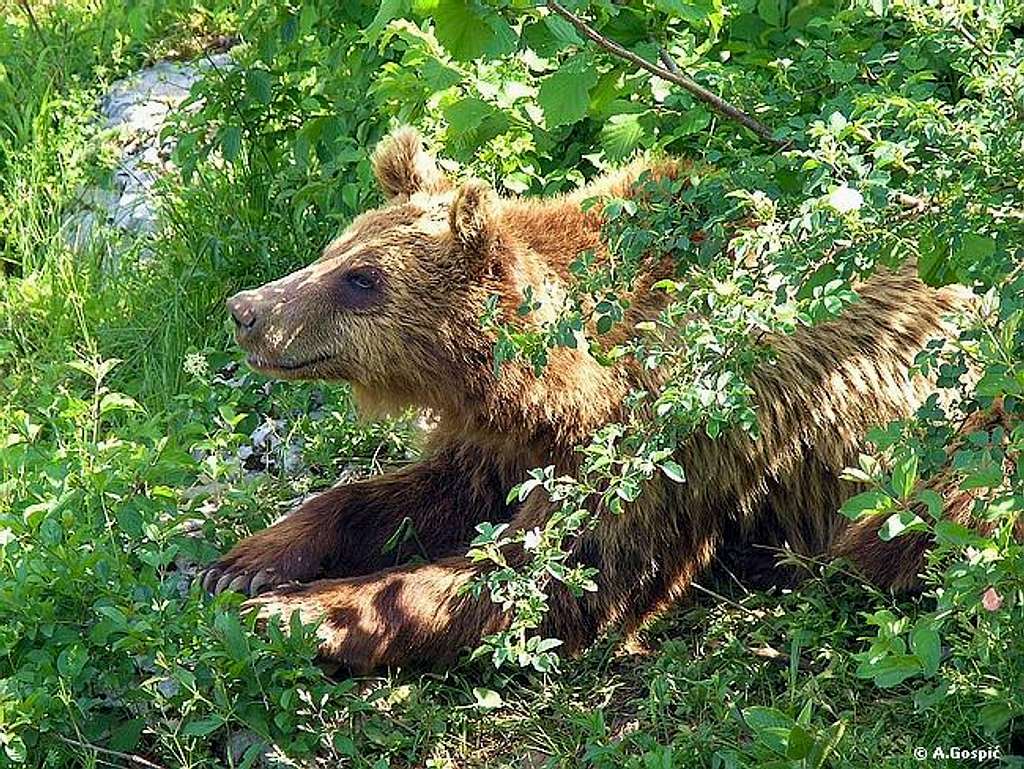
131 758
669 72
726 600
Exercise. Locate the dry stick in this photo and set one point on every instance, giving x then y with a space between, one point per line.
671 74
726 600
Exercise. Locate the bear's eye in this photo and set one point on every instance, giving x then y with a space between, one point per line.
364 280
360 288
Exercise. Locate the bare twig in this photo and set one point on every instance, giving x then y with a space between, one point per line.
131 758
670 72
726 600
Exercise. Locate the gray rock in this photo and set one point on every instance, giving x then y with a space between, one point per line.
136 109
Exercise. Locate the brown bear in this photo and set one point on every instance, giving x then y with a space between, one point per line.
393 306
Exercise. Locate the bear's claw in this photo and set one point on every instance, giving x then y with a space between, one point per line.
250 584
208 579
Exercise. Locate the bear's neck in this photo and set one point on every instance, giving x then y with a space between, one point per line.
550 415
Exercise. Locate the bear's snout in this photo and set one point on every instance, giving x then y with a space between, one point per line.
244 312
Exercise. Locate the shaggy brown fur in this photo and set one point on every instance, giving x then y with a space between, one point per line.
393 306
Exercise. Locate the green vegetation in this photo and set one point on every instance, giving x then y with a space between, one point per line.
896 131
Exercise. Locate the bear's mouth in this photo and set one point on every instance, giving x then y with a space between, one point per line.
264 363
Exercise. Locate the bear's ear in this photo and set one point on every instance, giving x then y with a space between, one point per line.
472 218
403 167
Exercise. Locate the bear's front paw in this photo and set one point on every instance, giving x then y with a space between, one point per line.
221 577
260 563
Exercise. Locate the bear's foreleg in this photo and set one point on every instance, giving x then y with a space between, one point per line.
427 509
427 614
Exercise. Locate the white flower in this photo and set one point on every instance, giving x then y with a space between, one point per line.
845 199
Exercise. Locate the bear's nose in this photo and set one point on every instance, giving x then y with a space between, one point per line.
243 311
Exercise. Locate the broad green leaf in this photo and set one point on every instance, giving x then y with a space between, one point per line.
974 248
983 475
468 30
953 533
465 115
673 471
620 135
696 119
562 30
487 699
203 726
565 95
925 644
799 744
904 476
259 85
389 9
867 503
933 501
771 11
994 716
895 669
230 142
118 402
231 633
933 265
899 523
71 661
694 13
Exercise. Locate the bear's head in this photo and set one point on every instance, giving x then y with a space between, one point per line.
394 304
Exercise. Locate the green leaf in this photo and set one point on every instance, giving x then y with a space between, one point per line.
825 746
673 471
203 726
71 661
620 135
126 735
468 30
230 631
933 501
259 84
952 533
487 699
693 13
15 749
984 475
904 476
933 265
926 645
230 142
389 10
760 718
696 119
118 402
565 95
899 523
799 744
771 12
466 115
562 30
994 716
867 503
895 669
974 249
